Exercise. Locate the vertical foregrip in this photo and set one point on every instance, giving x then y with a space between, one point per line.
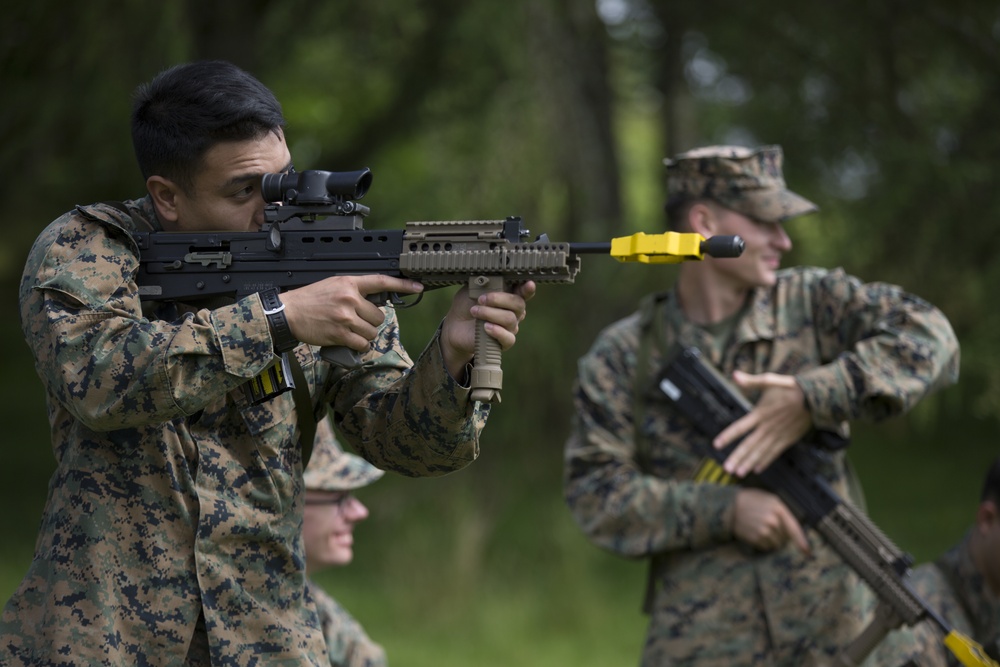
487 375
883 621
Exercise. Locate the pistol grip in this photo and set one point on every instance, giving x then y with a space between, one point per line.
338 355
345 357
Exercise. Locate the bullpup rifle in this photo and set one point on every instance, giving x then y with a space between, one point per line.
314 229
710 403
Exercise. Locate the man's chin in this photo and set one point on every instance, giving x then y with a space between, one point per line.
768 278
343 557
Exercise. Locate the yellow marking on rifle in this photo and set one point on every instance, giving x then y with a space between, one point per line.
968 652
711 472
665 248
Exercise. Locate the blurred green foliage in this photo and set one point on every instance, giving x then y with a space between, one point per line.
559 112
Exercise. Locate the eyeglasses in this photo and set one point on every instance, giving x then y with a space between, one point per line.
339 499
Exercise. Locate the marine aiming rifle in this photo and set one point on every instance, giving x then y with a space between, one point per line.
314 229
711 403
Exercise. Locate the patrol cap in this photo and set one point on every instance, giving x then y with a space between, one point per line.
332 469
746 180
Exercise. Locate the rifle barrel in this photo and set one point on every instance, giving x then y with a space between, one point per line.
590 248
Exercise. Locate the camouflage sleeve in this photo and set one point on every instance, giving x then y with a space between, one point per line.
887 350
618 505
109 366
411 418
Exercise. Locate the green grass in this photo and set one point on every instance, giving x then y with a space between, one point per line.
565 603
519 622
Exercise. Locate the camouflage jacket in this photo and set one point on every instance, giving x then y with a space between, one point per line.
857 350
954 588
346 641
174 503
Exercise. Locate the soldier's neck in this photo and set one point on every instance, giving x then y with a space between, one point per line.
705 298
980 552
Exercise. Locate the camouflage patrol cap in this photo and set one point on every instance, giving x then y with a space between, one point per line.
332 469
746 180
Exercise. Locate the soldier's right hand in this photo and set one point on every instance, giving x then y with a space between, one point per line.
335 311
764 522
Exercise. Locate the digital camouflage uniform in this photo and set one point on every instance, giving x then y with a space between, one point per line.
954 588
857 350
346 641
174 503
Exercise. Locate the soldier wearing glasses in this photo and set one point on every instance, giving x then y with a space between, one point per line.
331 511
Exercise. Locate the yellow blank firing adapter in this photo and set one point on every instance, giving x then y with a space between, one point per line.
673 247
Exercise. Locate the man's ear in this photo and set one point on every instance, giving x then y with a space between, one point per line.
987 515
164 193
701 219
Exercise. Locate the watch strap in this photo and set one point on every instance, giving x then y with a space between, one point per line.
274 310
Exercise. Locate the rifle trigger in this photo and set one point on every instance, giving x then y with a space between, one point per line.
398 301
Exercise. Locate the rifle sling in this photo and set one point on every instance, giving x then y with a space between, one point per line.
303 409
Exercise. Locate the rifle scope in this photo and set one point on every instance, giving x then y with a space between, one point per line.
315 187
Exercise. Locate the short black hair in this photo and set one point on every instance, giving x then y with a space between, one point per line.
991 487
187 109
677 211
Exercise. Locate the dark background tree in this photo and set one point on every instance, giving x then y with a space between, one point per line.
560 112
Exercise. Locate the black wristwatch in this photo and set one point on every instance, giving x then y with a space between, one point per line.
278 323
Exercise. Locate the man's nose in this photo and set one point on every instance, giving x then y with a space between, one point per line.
780 237
354 509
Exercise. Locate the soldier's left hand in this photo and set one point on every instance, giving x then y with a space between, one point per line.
502 312
778 421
